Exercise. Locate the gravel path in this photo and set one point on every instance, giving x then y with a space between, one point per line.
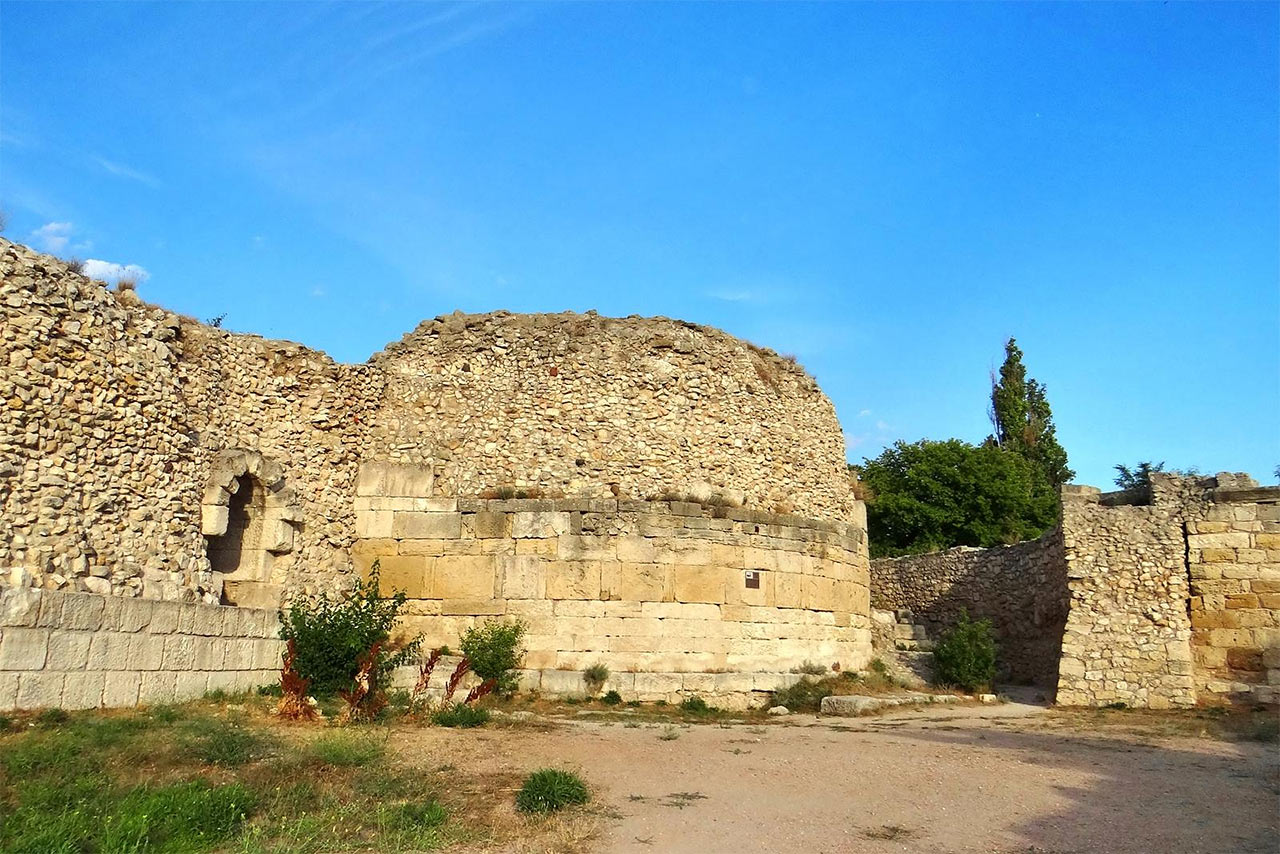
989 779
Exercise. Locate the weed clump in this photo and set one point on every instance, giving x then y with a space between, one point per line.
695 705
492 650
460 715
548 790
346 749
225 744
966 655
611 698
595 676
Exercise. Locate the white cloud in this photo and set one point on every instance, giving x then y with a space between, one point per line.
863 413
122 171
52 237
318 292
883 427
108 271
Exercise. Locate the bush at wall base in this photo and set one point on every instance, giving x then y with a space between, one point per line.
965 657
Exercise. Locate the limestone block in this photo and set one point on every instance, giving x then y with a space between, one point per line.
146 652
426 526
408 573
83 690
179 652
491 525
268 654
698 584
573 579
208 620
375 524
214 519
1228 540
187 618
576 547
539 525
641 582
522 576
633 549
737 592
108 651
69 650
473 607
209 653
8 691
227 681
788 590
40 690
82 611
24 648
464 577
190 685
563 683
164 617
19 606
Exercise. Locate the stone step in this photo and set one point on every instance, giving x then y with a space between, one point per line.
852 705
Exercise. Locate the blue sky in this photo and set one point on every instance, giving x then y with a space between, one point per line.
886 190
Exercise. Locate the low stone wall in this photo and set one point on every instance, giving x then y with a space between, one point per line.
1020 588
84 650
672 597
1234 559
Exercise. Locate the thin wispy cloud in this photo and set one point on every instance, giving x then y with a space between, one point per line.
52 237
863 413
109 271
122 171
728 295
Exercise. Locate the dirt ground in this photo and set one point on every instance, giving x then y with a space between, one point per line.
1005 779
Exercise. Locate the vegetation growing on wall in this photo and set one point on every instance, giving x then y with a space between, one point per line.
1139 477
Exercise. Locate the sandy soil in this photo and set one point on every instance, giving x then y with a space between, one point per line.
995 779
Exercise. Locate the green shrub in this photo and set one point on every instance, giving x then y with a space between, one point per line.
878 667
806 694
347 748
331 634
811 669
695 705
548 790
966 655
460 715
493 648
611 698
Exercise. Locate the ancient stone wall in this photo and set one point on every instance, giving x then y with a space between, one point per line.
135 443
1234 558
1021 588
1171 594
84 651
672 597
596 407
1128 636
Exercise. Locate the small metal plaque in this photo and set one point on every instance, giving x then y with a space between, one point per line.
753 579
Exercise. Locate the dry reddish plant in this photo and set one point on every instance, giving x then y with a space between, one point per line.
293 687
424 674
480 690
458 672
364 700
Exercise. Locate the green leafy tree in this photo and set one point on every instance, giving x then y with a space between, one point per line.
494 652
933 495
1023 420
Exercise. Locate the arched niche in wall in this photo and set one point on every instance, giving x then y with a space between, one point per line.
248 515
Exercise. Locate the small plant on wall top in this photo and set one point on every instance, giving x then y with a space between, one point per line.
341 645
595 676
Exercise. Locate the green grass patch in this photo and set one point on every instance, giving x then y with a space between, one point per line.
548 790
347 748
460 715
